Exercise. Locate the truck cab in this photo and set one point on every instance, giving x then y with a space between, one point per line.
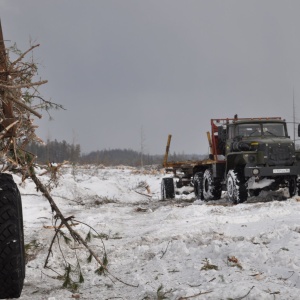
260 149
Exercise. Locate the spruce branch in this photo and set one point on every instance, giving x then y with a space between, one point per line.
75 235
19 102
22 55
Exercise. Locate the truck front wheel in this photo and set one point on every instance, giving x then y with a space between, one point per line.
236 188
12 256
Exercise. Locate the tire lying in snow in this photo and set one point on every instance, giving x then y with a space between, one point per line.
167 188
12 255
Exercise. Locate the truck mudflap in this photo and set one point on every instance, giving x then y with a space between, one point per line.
273 171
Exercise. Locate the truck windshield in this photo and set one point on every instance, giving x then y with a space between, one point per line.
259 129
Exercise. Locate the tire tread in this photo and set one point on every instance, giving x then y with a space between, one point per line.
12 257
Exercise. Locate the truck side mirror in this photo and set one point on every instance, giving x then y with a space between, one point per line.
298 129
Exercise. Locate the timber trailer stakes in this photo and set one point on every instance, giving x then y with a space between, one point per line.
247 155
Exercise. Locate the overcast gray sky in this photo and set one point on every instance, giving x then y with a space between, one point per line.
122 67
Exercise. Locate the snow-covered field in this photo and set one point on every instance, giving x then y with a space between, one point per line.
179 249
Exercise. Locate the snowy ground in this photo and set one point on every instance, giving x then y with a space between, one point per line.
179 249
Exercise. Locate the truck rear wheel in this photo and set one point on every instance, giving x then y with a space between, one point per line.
212 188
236 188
12 255
198 185
167 188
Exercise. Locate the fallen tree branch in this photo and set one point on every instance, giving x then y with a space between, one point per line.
58 227
21 86
64 221
193 296
18 101
51 244
165 250
26 107
242 297
193 286
76 236
5 130
150 196
23 55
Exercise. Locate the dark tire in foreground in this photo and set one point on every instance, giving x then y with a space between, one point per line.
12 255
167 188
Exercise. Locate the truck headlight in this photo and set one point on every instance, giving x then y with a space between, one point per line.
255 172
254 146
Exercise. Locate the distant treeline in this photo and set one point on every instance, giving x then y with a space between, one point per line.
54 151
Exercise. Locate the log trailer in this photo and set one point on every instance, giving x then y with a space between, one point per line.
247 155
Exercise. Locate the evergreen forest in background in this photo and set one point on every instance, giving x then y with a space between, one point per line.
54 151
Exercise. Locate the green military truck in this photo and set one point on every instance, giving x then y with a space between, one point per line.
247 155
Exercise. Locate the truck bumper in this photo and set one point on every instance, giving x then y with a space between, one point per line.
273 171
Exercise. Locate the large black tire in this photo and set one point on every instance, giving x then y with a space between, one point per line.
198 185
167 188
12 255
212 188
236 187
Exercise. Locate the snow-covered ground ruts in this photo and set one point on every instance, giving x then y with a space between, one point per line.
176 249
